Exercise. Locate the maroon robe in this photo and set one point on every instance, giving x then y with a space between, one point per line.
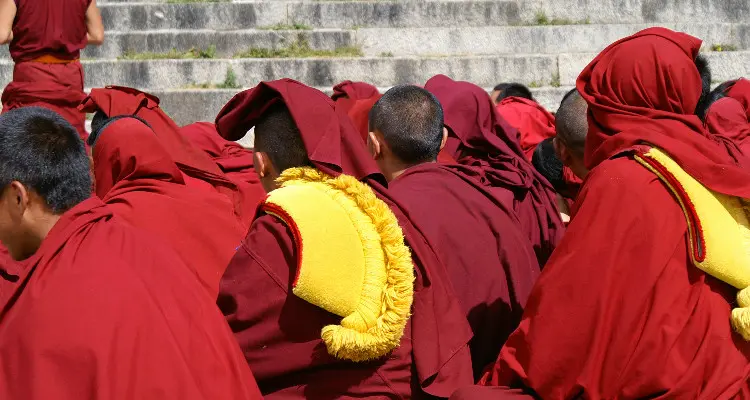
107 312
490 261
280 333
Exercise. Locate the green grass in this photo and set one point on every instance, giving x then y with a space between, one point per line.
286 27
555 82
193 53
196 1
723 47
535 84
386 54
541 19
230 82
300 49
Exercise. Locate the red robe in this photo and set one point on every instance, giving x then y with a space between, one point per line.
620 311
138 180
495 269
57 30
104 311
740 91
199 169
480 138
280 333
533 122
727 122
346 93
235 161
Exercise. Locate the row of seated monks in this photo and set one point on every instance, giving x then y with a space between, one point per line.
429 242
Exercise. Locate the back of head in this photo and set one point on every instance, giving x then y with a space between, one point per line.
411 121
512 90
715 95
277 135
571 122
42 151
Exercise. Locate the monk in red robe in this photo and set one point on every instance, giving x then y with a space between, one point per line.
478 238
100 310
46 38
727 115
198 169
631 304
136 177
346 93
532 121
480 138
290 335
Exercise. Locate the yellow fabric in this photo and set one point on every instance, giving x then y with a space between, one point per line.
724 228
353 260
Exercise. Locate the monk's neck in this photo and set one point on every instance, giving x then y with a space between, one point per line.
397 169
42 226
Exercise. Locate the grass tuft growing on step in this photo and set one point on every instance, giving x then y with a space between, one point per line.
555 82
193 53
300 49
723 47
196 1
286 27
230 82
541 19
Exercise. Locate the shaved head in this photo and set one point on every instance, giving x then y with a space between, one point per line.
571 122
277 135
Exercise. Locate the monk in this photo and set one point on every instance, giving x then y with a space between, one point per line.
328 227
727 118
235 161
645 308
100 310
478 238
480 138
346 93
140 183
505 90
46 38
198 169
532 121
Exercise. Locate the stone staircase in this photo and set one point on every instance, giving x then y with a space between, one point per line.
195 55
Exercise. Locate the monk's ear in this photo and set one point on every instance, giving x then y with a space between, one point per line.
262 163
445 138
373 145
18 198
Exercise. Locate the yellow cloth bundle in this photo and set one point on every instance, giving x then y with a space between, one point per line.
352 260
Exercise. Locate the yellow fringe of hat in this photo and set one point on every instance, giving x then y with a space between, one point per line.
718 230
352 260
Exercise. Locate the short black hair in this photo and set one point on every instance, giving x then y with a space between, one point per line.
411 121
101 121
277 135
704 69
42 151
545 161
513 90
715 95
571 123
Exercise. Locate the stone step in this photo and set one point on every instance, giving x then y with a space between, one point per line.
403 42
130 16
187 106
535 70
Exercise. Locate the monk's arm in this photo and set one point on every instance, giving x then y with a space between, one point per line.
7 15
94 24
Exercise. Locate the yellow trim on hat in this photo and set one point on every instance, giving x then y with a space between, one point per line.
353 260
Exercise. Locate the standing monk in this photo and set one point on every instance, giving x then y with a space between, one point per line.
640 299
46 38
478 238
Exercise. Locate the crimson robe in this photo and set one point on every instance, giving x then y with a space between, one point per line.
479 137
55 29
740 91
532 121
490 261
620 311
280 333
235 161
727 122
199 169
105 311
141 184
346 94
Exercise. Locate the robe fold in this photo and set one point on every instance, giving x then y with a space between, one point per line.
279 333
53 29
105 311
199 169
490 261
347 93
727 122
620 311
479 137
532 121
141 184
